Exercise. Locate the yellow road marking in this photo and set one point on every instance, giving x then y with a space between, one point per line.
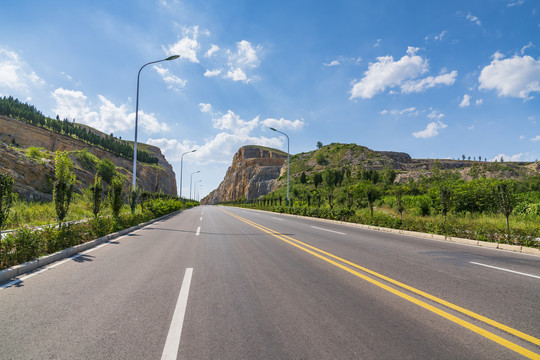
306 247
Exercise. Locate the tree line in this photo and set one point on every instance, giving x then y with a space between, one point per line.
28 113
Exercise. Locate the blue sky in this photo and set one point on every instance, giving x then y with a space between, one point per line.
430 78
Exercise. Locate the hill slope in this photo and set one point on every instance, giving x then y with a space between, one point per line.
34 176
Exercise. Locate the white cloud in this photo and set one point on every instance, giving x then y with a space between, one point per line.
466 101
234 132
474 19
529 45
173 81
213 49
536 138
237 74
15 74
283 124
436 37
387 73
106 117
517 76
187 46
245 58
211 73
205 108
504 157
515 3
428 82
411 111
332 63
431 130
377 43
479 102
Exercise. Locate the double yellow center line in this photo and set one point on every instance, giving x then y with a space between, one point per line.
350 268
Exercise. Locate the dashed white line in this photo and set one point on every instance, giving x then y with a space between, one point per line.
198 231
201 218
275 218
172 343
332 231
511 271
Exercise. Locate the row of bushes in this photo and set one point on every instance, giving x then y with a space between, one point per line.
27 244
477 227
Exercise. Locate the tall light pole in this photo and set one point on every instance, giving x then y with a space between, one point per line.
287 161
190 181
137 117
181 165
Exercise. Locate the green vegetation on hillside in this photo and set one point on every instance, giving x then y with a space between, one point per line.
24 112
352 183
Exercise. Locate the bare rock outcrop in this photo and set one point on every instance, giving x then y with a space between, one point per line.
34 178
253 173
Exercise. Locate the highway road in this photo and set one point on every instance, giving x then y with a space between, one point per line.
228 283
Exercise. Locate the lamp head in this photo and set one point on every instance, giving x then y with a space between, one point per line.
173 57
273 129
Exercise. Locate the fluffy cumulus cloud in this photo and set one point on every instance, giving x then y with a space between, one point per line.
15 74
233 132
518 76
536 138
187 46
106 117
504 157
388 73
432 129
245 58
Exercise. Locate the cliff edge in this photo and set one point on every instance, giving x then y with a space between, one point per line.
253 173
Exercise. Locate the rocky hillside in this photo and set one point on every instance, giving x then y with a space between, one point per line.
34 176
254 170
266 168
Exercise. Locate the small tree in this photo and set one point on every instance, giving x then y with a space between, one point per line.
96 190
372 194
398 192
106 169
506 201
63 185
303 178
115 196
317 179
319 145
445 196
6 198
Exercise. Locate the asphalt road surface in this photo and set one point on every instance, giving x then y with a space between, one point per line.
228 283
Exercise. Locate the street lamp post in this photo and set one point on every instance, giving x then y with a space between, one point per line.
137 117
190 181
181 165
287 161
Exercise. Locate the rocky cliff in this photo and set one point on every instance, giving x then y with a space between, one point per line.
253 172
34 177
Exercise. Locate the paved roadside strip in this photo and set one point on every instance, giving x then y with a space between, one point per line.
30 266
514 248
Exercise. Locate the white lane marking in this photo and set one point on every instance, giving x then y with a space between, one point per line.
512 271
275 218
198 231
332 231
21 279
172 343
201 218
